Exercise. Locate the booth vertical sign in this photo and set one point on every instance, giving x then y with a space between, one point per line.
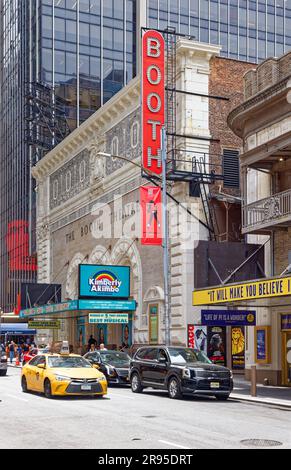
153 119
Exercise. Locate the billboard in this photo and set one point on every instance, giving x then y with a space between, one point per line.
238 347
197 337
99 281
17 245
228 317
153 99
216 344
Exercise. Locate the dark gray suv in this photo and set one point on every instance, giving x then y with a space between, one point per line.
181 371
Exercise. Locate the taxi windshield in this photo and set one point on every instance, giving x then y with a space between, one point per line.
68 362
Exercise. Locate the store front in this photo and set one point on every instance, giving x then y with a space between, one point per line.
263 337
77 325
17 332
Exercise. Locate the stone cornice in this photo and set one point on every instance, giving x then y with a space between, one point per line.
198 49
239 115
126 100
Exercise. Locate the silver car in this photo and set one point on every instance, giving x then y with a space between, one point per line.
3 363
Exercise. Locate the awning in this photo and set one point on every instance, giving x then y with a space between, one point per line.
16 329
81 305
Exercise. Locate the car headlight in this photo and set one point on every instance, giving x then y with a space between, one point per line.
101 379
186 373
62 378
231 374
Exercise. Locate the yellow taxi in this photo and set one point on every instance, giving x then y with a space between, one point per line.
62 374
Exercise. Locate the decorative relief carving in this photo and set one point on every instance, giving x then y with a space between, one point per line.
97 162
271 209
70 179
124 136
42 232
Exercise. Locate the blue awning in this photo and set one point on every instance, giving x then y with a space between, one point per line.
16 329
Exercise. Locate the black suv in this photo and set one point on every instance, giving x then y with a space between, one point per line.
181 371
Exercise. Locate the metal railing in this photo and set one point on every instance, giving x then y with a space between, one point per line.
272 210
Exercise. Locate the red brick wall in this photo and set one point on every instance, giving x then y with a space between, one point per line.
226 79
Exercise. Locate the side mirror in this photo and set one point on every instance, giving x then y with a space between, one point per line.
96 366
162 360
41 366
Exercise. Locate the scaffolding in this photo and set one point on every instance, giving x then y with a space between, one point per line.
46 119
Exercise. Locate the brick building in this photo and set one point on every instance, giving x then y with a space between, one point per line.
263 121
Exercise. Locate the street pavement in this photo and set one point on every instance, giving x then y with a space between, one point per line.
124 420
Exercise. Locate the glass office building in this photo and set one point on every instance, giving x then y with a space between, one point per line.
76 53
247 30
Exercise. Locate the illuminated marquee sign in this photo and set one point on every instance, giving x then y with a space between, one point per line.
104 281
151 213
153 99
266 288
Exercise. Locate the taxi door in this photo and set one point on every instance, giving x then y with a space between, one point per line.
39 374
30 373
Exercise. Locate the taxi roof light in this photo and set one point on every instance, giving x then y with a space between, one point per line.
65 348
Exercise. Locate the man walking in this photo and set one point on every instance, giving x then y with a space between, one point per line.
11 351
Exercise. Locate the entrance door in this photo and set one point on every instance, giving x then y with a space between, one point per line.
286 358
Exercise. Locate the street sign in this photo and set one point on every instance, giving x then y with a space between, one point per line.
151 214
45 324
153 99
108 318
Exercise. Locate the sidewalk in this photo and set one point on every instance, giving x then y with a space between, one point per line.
266 394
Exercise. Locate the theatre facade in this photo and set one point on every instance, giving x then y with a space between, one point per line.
88 213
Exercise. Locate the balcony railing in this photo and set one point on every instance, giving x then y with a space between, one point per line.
268 212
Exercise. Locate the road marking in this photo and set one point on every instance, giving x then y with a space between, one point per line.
175 445
119 395
16 398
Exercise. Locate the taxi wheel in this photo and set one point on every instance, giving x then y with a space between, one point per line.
48 389
24 385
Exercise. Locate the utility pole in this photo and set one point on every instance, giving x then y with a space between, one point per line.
165 239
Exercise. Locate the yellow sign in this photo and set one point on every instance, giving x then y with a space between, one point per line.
44 324
265 288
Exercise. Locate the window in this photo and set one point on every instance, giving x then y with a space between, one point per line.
151 355
231 168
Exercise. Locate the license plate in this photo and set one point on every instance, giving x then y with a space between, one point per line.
214 385
86 387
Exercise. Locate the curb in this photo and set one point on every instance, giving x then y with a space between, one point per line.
262 401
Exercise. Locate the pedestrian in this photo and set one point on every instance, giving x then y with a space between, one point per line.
19 352
11 351
102 347
92 348
91 341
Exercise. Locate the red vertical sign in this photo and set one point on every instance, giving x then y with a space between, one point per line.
153 119
153 99
151 213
